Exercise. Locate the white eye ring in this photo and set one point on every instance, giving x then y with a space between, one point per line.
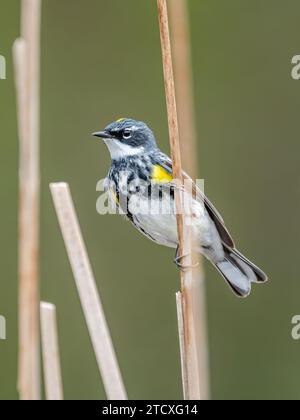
127 134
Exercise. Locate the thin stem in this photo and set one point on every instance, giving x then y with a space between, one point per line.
180 41
182 57
182 345
27 64
50 350
184 232
88 293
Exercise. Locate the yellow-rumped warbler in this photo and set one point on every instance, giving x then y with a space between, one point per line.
141 175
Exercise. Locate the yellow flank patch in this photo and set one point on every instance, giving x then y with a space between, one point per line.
160 175
114 195
121 119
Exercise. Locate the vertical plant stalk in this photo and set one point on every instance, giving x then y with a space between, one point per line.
50 350
182 58
88 293
26 52
191 345
181 344
181 49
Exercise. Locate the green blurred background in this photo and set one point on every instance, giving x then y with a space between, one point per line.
101 60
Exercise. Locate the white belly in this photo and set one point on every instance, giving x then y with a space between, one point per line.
161 229
158 222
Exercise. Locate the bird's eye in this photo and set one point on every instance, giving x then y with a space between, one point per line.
126 134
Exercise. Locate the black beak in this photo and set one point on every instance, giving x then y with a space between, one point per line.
102 135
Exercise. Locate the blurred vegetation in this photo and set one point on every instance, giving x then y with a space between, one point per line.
101 60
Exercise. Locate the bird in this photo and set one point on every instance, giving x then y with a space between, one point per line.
140 183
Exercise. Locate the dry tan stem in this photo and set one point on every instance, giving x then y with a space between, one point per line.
181 48
27 63
50 350
88 293
184 232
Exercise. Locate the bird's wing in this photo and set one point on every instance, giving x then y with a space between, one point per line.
166 163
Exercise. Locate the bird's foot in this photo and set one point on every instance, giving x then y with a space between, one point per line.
183 267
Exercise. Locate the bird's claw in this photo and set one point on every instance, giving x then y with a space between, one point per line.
184 267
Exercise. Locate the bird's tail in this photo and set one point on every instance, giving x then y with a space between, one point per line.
239 272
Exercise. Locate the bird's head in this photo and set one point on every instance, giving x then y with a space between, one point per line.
127 137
